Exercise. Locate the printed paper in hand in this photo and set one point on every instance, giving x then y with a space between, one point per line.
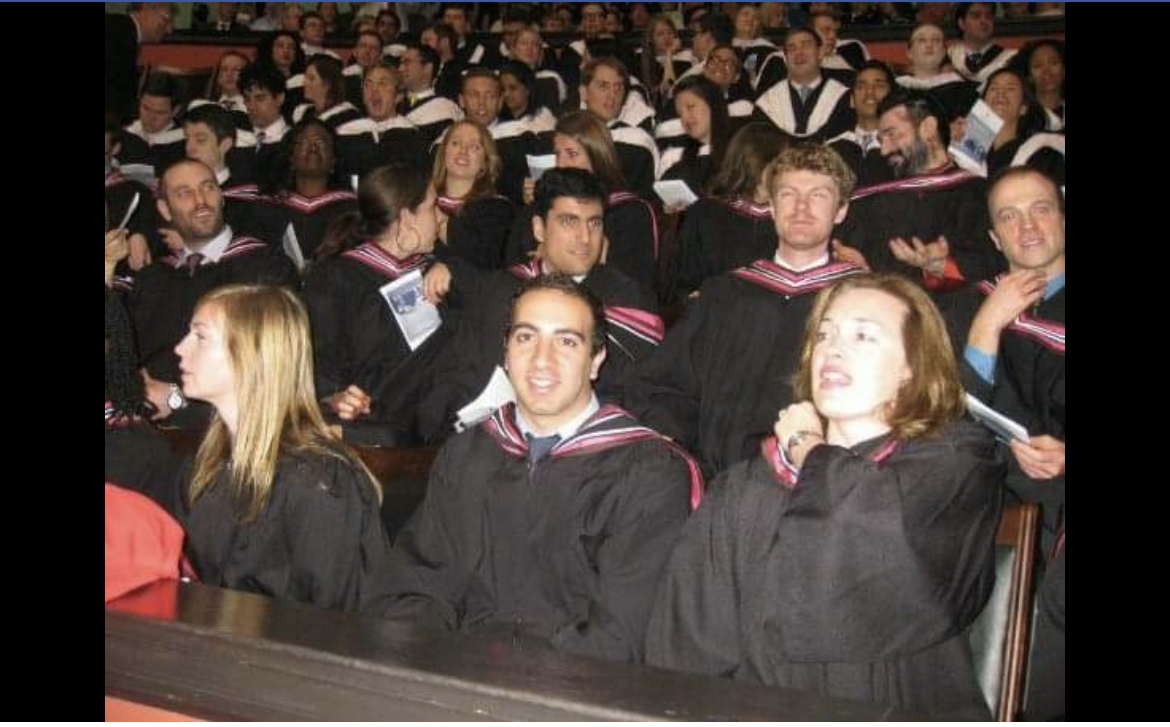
538 164
1005 429
675 193
292 247
498 392
129 213
417 317
970 152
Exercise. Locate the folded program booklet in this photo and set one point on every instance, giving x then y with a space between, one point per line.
1005 429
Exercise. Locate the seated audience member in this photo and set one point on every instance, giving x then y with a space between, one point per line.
1043 63
851 553
1009 97
926 51
324 90
429 112
367 367
930 222
552 520
473 220
862 147
273 503
582 141
976 56
568 223
305 191
383 136
717 381
154 140
807 104
702 111
165 292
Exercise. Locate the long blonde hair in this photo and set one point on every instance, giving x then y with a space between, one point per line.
933 397
266 333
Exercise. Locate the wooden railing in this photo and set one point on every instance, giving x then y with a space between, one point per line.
216 654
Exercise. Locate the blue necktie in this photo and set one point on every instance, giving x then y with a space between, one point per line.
539 447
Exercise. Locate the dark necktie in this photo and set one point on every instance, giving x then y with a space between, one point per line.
193 261
973 60
539 447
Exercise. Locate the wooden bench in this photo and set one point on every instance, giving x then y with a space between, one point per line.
218 654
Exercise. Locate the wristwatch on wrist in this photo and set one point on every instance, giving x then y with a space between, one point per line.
175 399
798 437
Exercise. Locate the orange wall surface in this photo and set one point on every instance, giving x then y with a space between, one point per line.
119 710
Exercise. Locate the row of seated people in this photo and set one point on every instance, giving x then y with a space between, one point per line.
300 192
812 94
598 522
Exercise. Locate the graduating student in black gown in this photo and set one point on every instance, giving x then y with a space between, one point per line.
851 553
820 111
568 224
927 54
718 379
1010 331
861 146
931 211
1009 96
632 227
165 292
273 503
305 193
474 220
703 113
551 520
383 136
367 369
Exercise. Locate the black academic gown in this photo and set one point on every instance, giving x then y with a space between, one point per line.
717 381
825 114
951 203
477 231
356 337
120 193
362 148
631 225
694 170
319 540
718 236
137 456
1029 381
858 579
164 296
483 302
310 217
567 550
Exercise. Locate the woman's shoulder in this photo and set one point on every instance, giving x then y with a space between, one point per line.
326 470
960 438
